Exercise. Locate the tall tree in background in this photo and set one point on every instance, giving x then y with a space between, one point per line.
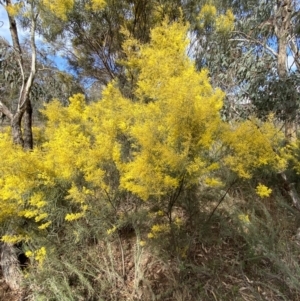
19 67
256 63
24 107
96 34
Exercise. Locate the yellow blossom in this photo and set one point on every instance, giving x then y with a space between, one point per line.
14 9
225 23
111 230
142 243
44 226
14 239
244 218
59 7
29 254
73 216
40 255
95 5
207 14
263 191
150 235
178 222
213 182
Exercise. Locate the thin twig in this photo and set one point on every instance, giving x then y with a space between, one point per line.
110 201
221 200
123 259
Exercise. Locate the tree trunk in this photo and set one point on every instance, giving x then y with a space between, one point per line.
283 16
9 260
10 266
282 26
27 124
16 129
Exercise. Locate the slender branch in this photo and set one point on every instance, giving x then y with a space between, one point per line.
23 78
16 45
252 40
110 200
4 109
123 258
30 79
174 198
221 200
295 51
46 69
291 190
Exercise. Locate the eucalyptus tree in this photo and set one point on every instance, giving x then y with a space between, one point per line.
268 40
18 70
258 63
268 36
27 74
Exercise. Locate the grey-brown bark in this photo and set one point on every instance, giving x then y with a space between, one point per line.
10 266
27 125
9 261
282 27
24 106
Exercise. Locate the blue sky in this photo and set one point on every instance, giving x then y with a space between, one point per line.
61 63
4 29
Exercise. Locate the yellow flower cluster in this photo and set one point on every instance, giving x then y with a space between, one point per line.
253 144
213 182
174 121
36 210
38 255
207 14
225 23
14 9
244 218
95 5
158 229
14 239
111 230
142 243
60 8
263 191
208 18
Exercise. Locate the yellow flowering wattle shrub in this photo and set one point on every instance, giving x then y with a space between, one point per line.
254 144
174 121
167 137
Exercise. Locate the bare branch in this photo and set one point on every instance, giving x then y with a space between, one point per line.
4 109
249 39
25 93
295 50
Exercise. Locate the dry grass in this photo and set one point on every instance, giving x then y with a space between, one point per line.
220 260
